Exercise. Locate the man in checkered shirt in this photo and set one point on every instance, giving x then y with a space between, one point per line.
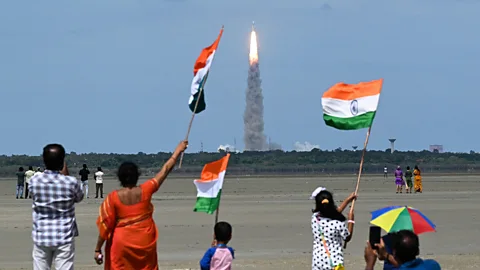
54 196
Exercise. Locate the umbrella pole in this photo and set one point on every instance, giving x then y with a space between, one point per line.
360 171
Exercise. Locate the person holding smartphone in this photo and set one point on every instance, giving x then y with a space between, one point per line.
406 247
385 253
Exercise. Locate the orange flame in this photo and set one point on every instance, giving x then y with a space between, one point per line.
253 55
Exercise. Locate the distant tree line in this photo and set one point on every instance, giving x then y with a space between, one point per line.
276 162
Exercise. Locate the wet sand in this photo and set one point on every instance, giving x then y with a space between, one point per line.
271 220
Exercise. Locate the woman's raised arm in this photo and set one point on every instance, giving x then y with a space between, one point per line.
345 202
168 166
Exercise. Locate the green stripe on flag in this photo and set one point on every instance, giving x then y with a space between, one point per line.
201 103
207 205
357 122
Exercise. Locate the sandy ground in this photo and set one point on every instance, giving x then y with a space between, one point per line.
271 220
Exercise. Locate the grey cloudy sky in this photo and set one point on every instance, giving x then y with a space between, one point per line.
114 75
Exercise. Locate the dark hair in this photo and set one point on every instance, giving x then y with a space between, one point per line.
99 169
405 246
53 157
20 169
408 167
84 165
325 205
223 231
30 168
416 168
128 174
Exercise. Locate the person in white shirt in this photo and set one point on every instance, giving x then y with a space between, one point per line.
385 172
39 171
28 175
98 176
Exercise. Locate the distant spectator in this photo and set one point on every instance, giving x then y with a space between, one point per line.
418 180
399 179
28 175
219 256
408 179
39 171
20 182
98 182
385 172
405 248
84 172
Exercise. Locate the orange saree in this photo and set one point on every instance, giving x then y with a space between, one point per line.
130 232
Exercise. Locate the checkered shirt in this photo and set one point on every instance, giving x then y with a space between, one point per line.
54 197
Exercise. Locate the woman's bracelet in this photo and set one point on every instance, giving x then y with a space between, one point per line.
98 250
351 221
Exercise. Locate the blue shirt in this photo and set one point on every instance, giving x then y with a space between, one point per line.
420 264
386 264
219 257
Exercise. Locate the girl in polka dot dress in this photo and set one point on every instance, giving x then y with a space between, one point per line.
330 229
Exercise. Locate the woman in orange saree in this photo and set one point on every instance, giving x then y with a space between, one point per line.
125 220
418 186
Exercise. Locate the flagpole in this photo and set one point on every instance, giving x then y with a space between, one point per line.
361 165
216 221
194 110
218 207
360 171
216 213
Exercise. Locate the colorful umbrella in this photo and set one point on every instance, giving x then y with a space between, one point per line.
397 218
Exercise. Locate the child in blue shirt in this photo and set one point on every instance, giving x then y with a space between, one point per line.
219 256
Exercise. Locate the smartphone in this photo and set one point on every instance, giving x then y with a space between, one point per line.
374 237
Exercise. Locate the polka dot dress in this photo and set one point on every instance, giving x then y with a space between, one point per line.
335 232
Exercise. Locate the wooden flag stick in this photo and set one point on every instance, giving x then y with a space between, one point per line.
361 165
360 172
216 214
200 91
214 243
218 207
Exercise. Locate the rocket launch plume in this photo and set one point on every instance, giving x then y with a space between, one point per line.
253 55
254 138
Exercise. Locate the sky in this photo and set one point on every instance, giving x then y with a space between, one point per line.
114 76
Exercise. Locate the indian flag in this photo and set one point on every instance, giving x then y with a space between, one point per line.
200 74
351 106
209 186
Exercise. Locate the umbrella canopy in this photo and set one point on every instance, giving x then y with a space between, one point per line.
397 218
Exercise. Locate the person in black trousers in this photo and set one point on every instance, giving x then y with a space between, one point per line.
84 172
98 176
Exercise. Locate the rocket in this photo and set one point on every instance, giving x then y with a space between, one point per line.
253 25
